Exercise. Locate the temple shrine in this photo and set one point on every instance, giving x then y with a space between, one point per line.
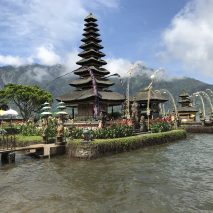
186 112
151 99
91 95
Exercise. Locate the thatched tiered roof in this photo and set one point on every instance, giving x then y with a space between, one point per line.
85 95
91 69
142 96
185 103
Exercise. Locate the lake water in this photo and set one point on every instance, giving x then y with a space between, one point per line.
176 177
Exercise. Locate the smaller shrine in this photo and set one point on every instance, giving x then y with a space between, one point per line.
186 112
149 100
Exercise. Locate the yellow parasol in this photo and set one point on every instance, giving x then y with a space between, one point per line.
2 112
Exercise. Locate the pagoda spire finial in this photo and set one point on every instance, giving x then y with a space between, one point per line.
91 17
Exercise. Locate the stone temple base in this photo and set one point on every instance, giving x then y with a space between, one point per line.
83 151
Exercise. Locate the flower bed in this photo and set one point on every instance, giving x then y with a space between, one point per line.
161 125
115 131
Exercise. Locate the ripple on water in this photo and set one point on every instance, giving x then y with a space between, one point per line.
174 177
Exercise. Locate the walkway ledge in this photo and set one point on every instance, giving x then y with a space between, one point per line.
100 147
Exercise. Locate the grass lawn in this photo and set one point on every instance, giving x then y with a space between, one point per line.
22 140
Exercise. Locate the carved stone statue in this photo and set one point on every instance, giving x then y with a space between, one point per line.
202 119
143 127
60 130
134 109
44 130
103 116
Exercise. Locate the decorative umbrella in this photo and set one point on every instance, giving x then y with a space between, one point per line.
11 112
61 105
2 112
46 104
61 113
46 107
46 113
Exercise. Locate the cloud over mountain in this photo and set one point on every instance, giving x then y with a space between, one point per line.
42 31
189 39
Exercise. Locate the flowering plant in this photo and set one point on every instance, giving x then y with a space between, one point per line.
161 125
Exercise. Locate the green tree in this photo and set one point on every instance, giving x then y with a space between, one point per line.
28 99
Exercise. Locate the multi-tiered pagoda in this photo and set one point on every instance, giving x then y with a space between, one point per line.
186 112
92 94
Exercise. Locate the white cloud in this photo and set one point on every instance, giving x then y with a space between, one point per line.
43 55
12 60
108 3
28 27
122 66
70 61
47 56
38 74
118 65
189 39
36 21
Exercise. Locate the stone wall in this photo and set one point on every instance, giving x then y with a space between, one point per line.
199 129
98 148
83 150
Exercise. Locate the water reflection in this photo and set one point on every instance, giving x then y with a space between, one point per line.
168 178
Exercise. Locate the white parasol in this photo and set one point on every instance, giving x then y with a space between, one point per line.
11 112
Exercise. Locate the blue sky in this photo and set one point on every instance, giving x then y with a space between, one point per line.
176 35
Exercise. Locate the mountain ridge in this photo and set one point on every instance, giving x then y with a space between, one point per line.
44 76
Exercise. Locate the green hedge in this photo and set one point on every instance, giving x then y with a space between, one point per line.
130 143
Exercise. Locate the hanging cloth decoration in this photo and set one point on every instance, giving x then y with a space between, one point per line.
96 107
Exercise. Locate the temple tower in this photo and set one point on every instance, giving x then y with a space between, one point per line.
92 94
186 112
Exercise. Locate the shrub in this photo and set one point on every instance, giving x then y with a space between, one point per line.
115 131
160 125
76 133
51 129
135 142
29 129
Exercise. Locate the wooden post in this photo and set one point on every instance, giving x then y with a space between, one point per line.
73 112
8 157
